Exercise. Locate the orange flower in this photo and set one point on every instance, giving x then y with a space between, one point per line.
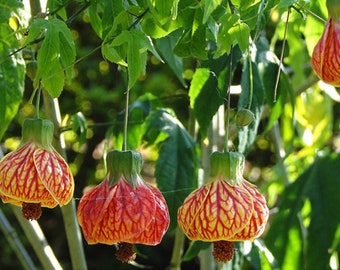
123 209
326 54
35 174
226 209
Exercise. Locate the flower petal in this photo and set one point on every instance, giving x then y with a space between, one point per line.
259 218
159 224
54 174
91 210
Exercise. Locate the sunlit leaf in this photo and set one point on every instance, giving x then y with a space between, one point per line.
56 55
209 7
288 237
12 78
165 46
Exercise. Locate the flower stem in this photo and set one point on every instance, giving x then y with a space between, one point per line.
226 144
177 250
126 116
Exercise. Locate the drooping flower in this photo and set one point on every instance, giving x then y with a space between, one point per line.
123 209
35 175
226 209
326 55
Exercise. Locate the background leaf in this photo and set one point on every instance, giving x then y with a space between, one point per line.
55 57
289 236
176 168
12 74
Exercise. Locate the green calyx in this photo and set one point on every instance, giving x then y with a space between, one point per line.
38 130
333 7
228 166
126 164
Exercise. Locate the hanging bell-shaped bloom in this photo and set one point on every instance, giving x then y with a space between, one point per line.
226 209
123 209
326 55
35 175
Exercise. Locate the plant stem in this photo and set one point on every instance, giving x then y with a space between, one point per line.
251 83
126 116
226 145
72 229
38 241
177 251
281 57
15 243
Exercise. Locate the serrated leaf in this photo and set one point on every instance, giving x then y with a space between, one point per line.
164 8
56 56
165 46
95 19
145 42
111 54
199 78
110 11
176 168
211 90
209 7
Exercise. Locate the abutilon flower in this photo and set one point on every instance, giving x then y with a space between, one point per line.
123 209
326 54
226 209
35 175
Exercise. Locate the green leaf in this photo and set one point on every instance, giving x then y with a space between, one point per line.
288 237
164 8
165 46
12 74
176 168
286 3
110 11
55 57
199 78
209 7
209 88
194 248
95 19
136 55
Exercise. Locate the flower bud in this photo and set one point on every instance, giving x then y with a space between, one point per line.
244 117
